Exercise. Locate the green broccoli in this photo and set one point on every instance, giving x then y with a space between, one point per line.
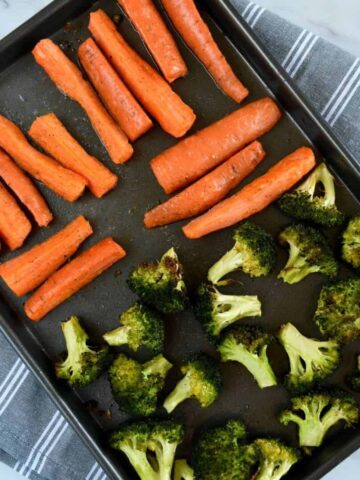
310 360
304 203
217 311
254 253
338 310
150 446
141 327
355 378
136 386
201 380
248 345
183 471
82 365
309 253
316 413
351 243
276 458
161 285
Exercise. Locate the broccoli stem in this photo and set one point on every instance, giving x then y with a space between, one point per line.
234 307
181 392
296 267
232 260
139 461
323 176
75 339
183 471
157 366
165 454
118 336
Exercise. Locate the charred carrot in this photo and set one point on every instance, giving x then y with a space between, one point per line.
196 155
62 181
72 277
207 191
114 93
152 28
255 196
30 269
196 34
152 91
52 136
67 77
25 190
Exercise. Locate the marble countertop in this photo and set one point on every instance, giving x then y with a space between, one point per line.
335 20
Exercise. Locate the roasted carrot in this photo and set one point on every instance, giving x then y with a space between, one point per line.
67 77
207 191
194 31
62 181
114 93
52 136
255 196
72 277
152 28
152 91
25 190
14 225
194 156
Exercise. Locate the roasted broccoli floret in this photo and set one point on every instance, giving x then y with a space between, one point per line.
83 364
201 380
309 252
217 311
141 326
305 203
338 310
183 471
220 453
161 285
315 413
150 446
310 360
248 346
351 243
254 253
355 378
276 458
136 386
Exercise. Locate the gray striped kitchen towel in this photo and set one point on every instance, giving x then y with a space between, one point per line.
35 439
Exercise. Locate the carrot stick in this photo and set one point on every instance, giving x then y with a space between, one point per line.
62 181
114 93
30 269
72 277
207 191
14 225
52 136
255 196
194 31
194 156
67 77
25 190
152 28
152 91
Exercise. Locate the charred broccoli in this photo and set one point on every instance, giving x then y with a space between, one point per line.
248 346
254 253
304 204
351 243
201 381
309 253
161 285
355 378
316 413
276 458
136 386
310 360
82 365
183 471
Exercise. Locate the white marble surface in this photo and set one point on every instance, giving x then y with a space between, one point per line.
336 20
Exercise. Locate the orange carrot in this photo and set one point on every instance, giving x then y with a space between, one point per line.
30 269
152 91
25 190
72 277
114 93
52 136
198 154
255 196
67 77
194 31
14 225
148 22
207 191
62 181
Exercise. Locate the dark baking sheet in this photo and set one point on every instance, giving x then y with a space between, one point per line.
25 92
